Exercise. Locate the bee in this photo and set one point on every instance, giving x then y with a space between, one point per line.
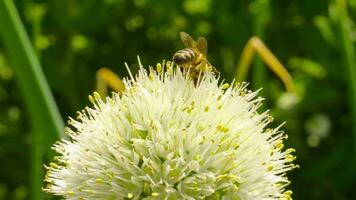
194 56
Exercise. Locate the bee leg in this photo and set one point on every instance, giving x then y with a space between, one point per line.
256 45
203 66
106 78
200 67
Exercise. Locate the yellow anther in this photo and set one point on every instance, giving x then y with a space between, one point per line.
52 164
290 150
290 158
96 95
110 175
279 145
288 192
99 180
154 194
129 195
190 107
269 168
222 128
151 76
91 99
225 86
159 67
169 69
206 109
270 118
70 193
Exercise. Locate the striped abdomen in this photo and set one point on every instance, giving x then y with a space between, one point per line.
184 56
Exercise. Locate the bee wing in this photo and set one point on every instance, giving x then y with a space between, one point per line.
187 40
202 45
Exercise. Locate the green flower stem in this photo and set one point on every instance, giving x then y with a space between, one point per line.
350 61
45 118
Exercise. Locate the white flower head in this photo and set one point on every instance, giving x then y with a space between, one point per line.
167 137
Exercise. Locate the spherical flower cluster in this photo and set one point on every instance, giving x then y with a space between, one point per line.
169 137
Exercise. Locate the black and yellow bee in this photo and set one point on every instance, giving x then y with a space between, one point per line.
193 57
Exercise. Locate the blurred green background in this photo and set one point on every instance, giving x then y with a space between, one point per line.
313 39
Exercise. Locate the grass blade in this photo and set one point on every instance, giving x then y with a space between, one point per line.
47 124
350 61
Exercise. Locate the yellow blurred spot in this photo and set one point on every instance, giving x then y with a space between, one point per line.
106 78
79 42
253 46
129 195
